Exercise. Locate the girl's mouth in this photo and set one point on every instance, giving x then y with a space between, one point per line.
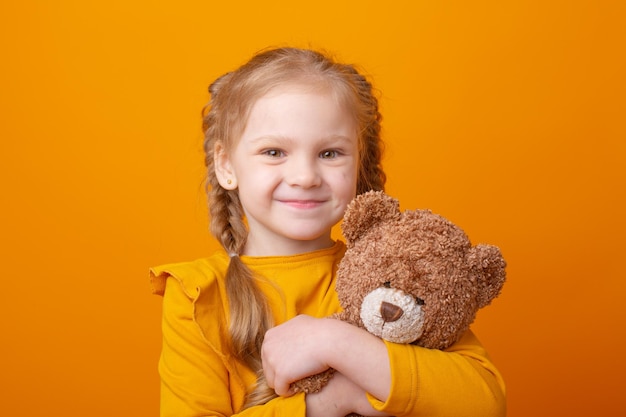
302 204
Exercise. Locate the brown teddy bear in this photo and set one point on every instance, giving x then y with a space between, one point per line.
410 277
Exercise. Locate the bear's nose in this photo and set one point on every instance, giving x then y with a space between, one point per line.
390 312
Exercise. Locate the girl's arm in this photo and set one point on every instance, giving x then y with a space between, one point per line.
458 381
194 378
400 379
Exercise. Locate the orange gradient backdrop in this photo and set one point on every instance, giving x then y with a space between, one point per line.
506 117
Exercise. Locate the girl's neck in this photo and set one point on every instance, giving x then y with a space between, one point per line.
285 247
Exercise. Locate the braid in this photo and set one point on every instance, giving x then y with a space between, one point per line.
227 219
372 176
250 316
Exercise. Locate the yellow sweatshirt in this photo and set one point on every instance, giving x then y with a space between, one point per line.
199 378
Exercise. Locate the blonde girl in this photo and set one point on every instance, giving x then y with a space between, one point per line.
290 138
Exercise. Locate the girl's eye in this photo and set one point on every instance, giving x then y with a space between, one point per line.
274 153
328 154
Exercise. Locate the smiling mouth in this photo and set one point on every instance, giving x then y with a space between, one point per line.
303 204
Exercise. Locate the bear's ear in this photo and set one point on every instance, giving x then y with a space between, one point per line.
489 266
366 210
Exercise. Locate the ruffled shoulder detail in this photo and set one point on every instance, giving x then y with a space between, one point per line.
191 275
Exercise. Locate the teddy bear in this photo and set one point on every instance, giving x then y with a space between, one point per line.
409 277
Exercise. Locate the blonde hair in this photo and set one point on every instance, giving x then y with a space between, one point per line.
224 118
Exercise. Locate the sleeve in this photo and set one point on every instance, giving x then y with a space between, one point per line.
459 381
194 377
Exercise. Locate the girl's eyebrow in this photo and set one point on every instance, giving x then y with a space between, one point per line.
263 138
340 138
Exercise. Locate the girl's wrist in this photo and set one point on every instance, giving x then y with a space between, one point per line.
338 337
331 340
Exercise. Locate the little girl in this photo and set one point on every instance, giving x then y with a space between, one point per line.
291 137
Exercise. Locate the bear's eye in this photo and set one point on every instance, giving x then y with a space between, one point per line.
419 301
387 284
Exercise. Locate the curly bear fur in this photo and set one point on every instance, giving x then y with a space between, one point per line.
410 277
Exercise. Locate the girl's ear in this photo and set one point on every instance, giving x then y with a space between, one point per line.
223 168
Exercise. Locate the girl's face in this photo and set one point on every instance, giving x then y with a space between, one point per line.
295 167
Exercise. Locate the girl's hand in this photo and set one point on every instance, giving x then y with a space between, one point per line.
338 399
292 351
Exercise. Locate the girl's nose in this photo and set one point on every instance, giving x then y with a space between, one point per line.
303 173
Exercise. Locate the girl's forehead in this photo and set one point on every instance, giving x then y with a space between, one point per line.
338 97
298 110
302 87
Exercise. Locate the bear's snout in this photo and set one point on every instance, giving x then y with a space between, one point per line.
393 315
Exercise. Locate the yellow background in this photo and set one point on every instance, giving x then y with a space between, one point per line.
506 117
